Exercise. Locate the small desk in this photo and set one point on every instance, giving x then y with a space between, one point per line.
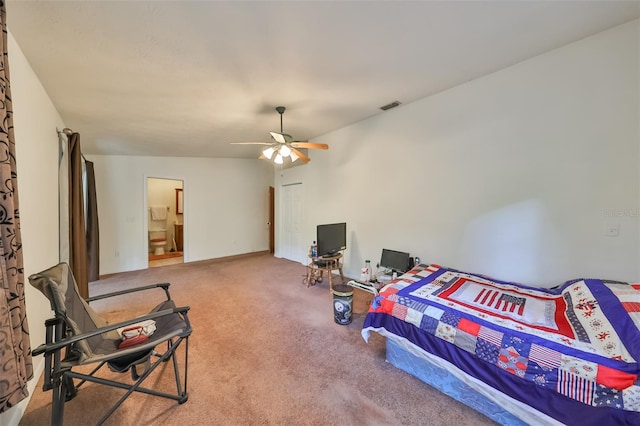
319 265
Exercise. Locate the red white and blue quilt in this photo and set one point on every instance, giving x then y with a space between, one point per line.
570 352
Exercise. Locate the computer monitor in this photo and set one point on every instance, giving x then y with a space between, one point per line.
396 261
331 238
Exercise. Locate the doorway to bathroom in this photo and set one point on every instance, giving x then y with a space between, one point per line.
165 224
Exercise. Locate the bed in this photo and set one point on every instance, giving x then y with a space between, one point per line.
518 354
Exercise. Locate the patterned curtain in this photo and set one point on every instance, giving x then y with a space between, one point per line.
15 349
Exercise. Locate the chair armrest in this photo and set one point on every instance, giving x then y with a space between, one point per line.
164 286
52 347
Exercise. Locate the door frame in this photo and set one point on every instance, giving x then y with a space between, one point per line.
145 214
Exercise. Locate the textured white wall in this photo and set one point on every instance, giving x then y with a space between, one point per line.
35 121
225 204
514 175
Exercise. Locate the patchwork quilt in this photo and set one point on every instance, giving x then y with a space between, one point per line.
571 352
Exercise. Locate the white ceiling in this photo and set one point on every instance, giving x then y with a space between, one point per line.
185 78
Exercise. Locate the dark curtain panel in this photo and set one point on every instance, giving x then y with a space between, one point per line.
15 349
77 233
93 236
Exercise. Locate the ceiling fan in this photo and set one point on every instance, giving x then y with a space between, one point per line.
284 146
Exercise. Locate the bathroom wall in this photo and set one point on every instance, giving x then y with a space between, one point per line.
162 192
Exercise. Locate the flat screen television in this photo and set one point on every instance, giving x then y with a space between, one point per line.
331 238
396 261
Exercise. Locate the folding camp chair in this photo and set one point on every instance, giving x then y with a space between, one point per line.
86 339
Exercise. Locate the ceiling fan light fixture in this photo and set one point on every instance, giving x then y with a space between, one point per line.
278 159
285 150
293 156
268 152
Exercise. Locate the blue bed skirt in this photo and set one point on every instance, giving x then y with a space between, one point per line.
445 382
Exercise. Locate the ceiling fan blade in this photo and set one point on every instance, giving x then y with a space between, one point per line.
278 137
311 145
262 157
301 156
281 137
250 143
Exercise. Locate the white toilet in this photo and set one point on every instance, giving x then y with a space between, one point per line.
158 240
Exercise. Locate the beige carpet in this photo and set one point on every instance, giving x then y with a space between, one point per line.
265 350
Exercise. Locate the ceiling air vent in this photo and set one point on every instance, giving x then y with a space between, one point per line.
391 105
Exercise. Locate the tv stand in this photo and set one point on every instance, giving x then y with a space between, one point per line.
319 265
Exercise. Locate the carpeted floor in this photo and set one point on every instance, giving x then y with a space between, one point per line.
265 350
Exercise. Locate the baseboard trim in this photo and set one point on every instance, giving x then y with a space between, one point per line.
232 257
216 259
